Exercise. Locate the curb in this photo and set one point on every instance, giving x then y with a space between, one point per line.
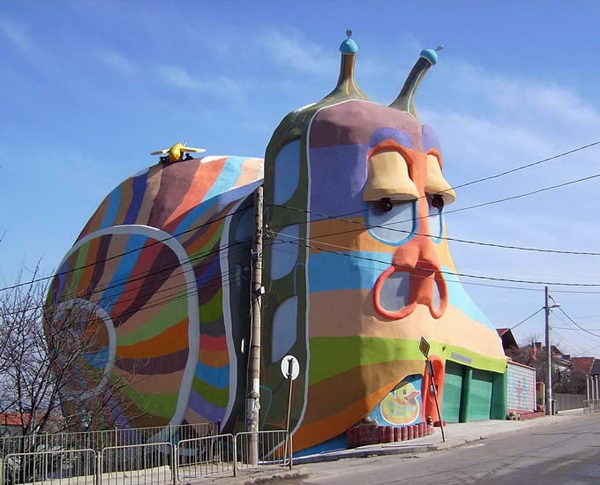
363 453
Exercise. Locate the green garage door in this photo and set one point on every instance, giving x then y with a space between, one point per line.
480 395
452 392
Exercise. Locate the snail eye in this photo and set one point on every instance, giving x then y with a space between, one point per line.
435 221
391 221
437 201
385 204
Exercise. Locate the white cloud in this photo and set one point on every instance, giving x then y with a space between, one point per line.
17 35
179 77
117 62
520 97
289 50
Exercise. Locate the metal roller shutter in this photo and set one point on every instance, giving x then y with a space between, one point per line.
452 392
480 395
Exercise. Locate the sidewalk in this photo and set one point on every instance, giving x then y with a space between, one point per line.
456 434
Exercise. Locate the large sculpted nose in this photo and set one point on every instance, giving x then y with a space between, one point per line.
407 182
413 278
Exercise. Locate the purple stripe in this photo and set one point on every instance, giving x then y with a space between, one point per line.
430 139
165 364
138 187
344 167
205 409
354 122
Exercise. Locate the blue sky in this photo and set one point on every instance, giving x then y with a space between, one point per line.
90 88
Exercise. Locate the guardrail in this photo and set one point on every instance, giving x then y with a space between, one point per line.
138 464
98 440
157 463
211 456
274 448
591 406
74 466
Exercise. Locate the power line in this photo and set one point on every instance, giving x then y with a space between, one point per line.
527 318
472 283
576 324
523 167
144 246
476 181
464 241
466 275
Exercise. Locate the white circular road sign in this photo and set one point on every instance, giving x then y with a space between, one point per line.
285 365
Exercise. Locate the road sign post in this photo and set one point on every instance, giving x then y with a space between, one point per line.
424 347
290 368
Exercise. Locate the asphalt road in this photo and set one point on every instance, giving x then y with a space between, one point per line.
563 453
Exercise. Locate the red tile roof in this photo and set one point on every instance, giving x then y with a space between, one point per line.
14 419
582 365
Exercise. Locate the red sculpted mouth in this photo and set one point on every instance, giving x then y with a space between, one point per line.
398 290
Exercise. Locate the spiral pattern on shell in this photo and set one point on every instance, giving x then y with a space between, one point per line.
150 275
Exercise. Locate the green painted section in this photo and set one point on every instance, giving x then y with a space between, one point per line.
208 249
499 396
480 396
82 253
452 392
465 397
162 405
333 355
167 317
214 395
477 361
213 308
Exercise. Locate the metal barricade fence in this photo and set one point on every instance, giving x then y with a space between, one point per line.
161 462
97 440
72 466
274 448
138 464
591 406
211 456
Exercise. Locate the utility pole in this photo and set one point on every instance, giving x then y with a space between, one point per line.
253 386
548 396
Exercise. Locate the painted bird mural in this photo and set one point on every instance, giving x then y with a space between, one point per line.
356 268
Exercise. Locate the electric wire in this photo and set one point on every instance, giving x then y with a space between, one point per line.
466 275
387 226
465 184
527 318
100 261
87 295
560 309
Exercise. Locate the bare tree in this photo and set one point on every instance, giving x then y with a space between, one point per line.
45 350
533 354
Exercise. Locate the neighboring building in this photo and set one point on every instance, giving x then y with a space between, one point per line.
583 365
509 342
521 391
356 270
12 424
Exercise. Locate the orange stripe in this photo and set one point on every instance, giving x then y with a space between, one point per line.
92 254
330 427
126 192
250 170
203 240
204 178
168 342
95 220
213 358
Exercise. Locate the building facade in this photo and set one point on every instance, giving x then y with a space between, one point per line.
357 270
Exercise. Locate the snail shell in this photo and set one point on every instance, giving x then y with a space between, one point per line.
157 273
